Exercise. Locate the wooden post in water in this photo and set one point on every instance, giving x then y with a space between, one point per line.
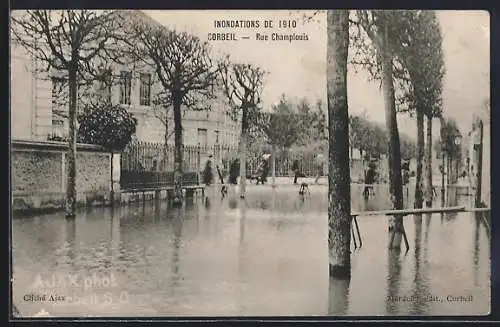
479 164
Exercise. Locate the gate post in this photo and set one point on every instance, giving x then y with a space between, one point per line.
198 163
115 178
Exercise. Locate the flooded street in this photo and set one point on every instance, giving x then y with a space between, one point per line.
266 255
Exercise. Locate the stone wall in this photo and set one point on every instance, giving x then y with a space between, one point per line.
38 171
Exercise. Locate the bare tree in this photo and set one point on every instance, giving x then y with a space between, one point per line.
186 73
69 43
339 189
243 85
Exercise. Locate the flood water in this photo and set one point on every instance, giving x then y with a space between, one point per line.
263 256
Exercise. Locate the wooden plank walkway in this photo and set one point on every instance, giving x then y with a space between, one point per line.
406 212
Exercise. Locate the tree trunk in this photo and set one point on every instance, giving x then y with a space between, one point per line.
420 158
428 164
273 166
72 118
165 149
339 189
396 228
443 160
351 156
243 152
178 153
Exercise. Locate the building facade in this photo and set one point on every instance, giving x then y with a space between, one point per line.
38 104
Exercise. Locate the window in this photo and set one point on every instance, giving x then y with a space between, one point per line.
125 87
202 137
57 92
58 105
145 90
216 137
58 128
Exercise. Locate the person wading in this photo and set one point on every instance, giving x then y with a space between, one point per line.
318 167
369 180
234 171
263 169
295 168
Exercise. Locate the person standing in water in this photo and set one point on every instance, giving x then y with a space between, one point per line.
234 171
295 168
369 180
208 175
318 167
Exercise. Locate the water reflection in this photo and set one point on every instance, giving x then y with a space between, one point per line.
175 276
115 234
475 253
249 258
338 297
392 300
428 217
421 287
243 218
242 255
452 200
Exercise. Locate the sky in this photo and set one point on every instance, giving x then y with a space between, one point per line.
298 68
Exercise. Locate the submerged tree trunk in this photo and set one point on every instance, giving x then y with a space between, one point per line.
396 228
420 158
178 153
339 189
72 117
428 164
243 152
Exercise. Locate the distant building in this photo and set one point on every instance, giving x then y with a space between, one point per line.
37 111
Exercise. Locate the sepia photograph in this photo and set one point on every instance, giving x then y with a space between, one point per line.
250 163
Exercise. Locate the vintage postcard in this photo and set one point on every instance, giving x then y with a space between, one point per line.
210 163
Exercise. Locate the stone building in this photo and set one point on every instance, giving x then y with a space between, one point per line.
37 112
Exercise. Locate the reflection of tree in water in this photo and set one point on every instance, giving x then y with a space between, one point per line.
451 201
243 217
338 297
393 281
115 236
177 219
420 287
70 241
242 257
427 228
475 253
